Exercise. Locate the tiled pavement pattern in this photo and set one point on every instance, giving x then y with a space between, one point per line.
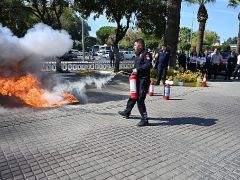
195 135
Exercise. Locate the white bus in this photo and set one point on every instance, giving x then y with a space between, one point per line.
105 48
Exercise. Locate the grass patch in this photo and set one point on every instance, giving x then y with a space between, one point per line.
87 72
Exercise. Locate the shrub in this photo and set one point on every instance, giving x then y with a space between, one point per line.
153 73
178 74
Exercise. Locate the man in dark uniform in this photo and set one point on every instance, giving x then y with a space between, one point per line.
231 63
161 64
182 59
111 57
142 66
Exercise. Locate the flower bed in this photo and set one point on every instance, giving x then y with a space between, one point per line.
178 77
187 78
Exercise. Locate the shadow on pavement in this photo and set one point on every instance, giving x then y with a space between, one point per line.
171 121
11 102
174 99
182 121
158 94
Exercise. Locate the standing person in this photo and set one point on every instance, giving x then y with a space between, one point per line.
216 59
235 72
231 62
208 64
111 56
142 66
162 64
182 59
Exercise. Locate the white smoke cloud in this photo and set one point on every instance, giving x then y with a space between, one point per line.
40 41
78 89
9 45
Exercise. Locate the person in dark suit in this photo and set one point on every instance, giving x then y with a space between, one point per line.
231 63
111 57
161 64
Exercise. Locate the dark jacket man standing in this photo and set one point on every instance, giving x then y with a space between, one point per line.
161 64
142 64
111 57
231 63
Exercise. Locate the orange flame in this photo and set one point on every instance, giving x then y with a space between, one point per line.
28 89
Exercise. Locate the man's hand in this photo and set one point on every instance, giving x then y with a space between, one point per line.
135 71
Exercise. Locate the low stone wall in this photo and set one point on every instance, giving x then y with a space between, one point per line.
80 65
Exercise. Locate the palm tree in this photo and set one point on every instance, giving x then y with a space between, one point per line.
234 4
172 27
202 17
173 23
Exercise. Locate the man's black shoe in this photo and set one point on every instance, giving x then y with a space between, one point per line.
143 123
124 114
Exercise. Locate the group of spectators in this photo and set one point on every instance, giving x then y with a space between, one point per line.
210 63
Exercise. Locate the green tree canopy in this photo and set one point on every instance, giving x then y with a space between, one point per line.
48 12
225 47
210 38
90 41
20 15
72 22
230 41
233 3
184 38
127 42
104 33
151 18
13 15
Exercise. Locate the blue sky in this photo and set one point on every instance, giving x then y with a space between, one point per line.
221 19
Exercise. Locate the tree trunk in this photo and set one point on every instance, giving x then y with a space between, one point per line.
117 57
172 28
238 45
200 36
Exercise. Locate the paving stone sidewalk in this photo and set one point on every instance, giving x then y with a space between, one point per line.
195 135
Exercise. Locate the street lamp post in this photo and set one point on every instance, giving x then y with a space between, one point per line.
83 48
191 37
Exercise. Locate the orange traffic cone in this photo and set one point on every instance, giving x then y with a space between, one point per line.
204 82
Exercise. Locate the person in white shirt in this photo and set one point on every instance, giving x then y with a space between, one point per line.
235 72
216 60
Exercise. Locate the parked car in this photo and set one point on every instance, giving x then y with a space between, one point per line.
75 51
69 56
128 55
105 54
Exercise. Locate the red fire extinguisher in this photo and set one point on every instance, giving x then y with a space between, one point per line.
151 89
133 86
166 92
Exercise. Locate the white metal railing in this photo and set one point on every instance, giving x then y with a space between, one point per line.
72 66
